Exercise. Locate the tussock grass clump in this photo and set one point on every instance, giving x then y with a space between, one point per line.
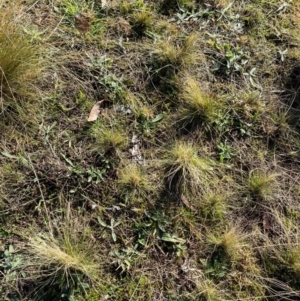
125 7
17 56
134 181
186 172
167 54
286 247
290 256
197 107
281 253
213 206
256 21
138 107
145 111
63 262
261 183
280 124
167 59
109 138
62 255
141 21
230 243
252 102
208 290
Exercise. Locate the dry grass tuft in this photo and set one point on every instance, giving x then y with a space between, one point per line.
134 181
186 171
284 249
18 58
197 107
213 206
261 183
62 262
167 54
62 255
109 138
208 290
231 242
141 22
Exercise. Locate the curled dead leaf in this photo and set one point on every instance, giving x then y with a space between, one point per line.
95 111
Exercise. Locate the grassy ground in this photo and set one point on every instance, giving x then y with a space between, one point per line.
149 150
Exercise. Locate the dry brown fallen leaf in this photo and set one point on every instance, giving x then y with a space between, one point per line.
95 111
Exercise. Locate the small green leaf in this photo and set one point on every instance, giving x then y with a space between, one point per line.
85 285
158 118
114 236
68 160
142 242
101 222
128 263
173 239
9 155
161 227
